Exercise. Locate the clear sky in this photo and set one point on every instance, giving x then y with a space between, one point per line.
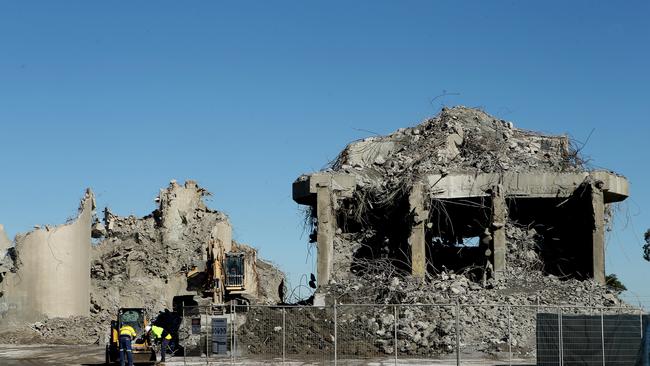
245 96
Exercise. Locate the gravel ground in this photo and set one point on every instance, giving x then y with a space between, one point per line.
17 355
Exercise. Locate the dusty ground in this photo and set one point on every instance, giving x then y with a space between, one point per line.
15 355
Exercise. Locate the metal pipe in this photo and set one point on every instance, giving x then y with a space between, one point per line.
284 331
234 333
395 314
509 339
457 332
183 321
602 334
336 337
560 339
207 337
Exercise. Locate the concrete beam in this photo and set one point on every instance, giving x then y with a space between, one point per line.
598 234
417 238
540 185
305 188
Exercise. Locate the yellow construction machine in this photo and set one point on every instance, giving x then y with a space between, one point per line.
229 277
143 350
224 277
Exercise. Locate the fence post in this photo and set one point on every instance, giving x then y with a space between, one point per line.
232 335
234 332
509 338
184 322
457 332
208 327
641 322
336 336
395 314
560 338
284 332
602 333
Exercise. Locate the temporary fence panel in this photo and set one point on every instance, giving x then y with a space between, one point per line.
596 337
427 332
484 331
258 333
364 332
309 335
482 334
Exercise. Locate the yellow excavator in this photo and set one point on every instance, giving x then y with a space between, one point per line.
229 278
224 278
143 350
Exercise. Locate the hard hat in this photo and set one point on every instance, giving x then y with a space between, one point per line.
147 328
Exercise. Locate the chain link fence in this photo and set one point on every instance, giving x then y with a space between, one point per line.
414 334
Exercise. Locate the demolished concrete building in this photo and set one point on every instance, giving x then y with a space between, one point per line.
463 208
441 196
161 261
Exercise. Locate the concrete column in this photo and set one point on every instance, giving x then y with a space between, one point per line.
417 239
497 226
326 231
598 233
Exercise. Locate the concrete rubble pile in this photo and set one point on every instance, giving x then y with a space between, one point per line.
457 140
133 262
430 330
462 208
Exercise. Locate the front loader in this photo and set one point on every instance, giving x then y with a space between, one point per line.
142 348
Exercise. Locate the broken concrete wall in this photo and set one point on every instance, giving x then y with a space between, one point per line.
52 267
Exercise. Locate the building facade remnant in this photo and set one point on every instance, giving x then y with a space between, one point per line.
451 185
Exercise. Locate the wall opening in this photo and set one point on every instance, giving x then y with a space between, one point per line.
565 225
455 236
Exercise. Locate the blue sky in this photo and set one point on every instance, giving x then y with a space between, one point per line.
245 96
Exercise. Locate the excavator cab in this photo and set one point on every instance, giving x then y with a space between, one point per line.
141 345
234 268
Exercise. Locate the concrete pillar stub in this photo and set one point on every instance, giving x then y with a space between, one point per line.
497 227
417 238
325 234
598 234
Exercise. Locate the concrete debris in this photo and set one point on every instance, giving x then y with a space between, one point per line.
457 140
75 330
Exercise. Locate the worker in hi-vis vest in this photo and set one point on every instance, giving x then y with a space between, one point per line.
159 333
127 334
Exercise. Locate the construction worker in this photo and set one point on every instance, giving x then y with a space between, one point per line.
127 334
159 333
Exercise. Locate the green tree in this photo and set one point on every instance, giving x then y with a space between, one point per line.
614 283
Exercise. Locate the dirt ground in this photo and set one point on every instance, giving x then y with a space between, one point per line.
16 355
